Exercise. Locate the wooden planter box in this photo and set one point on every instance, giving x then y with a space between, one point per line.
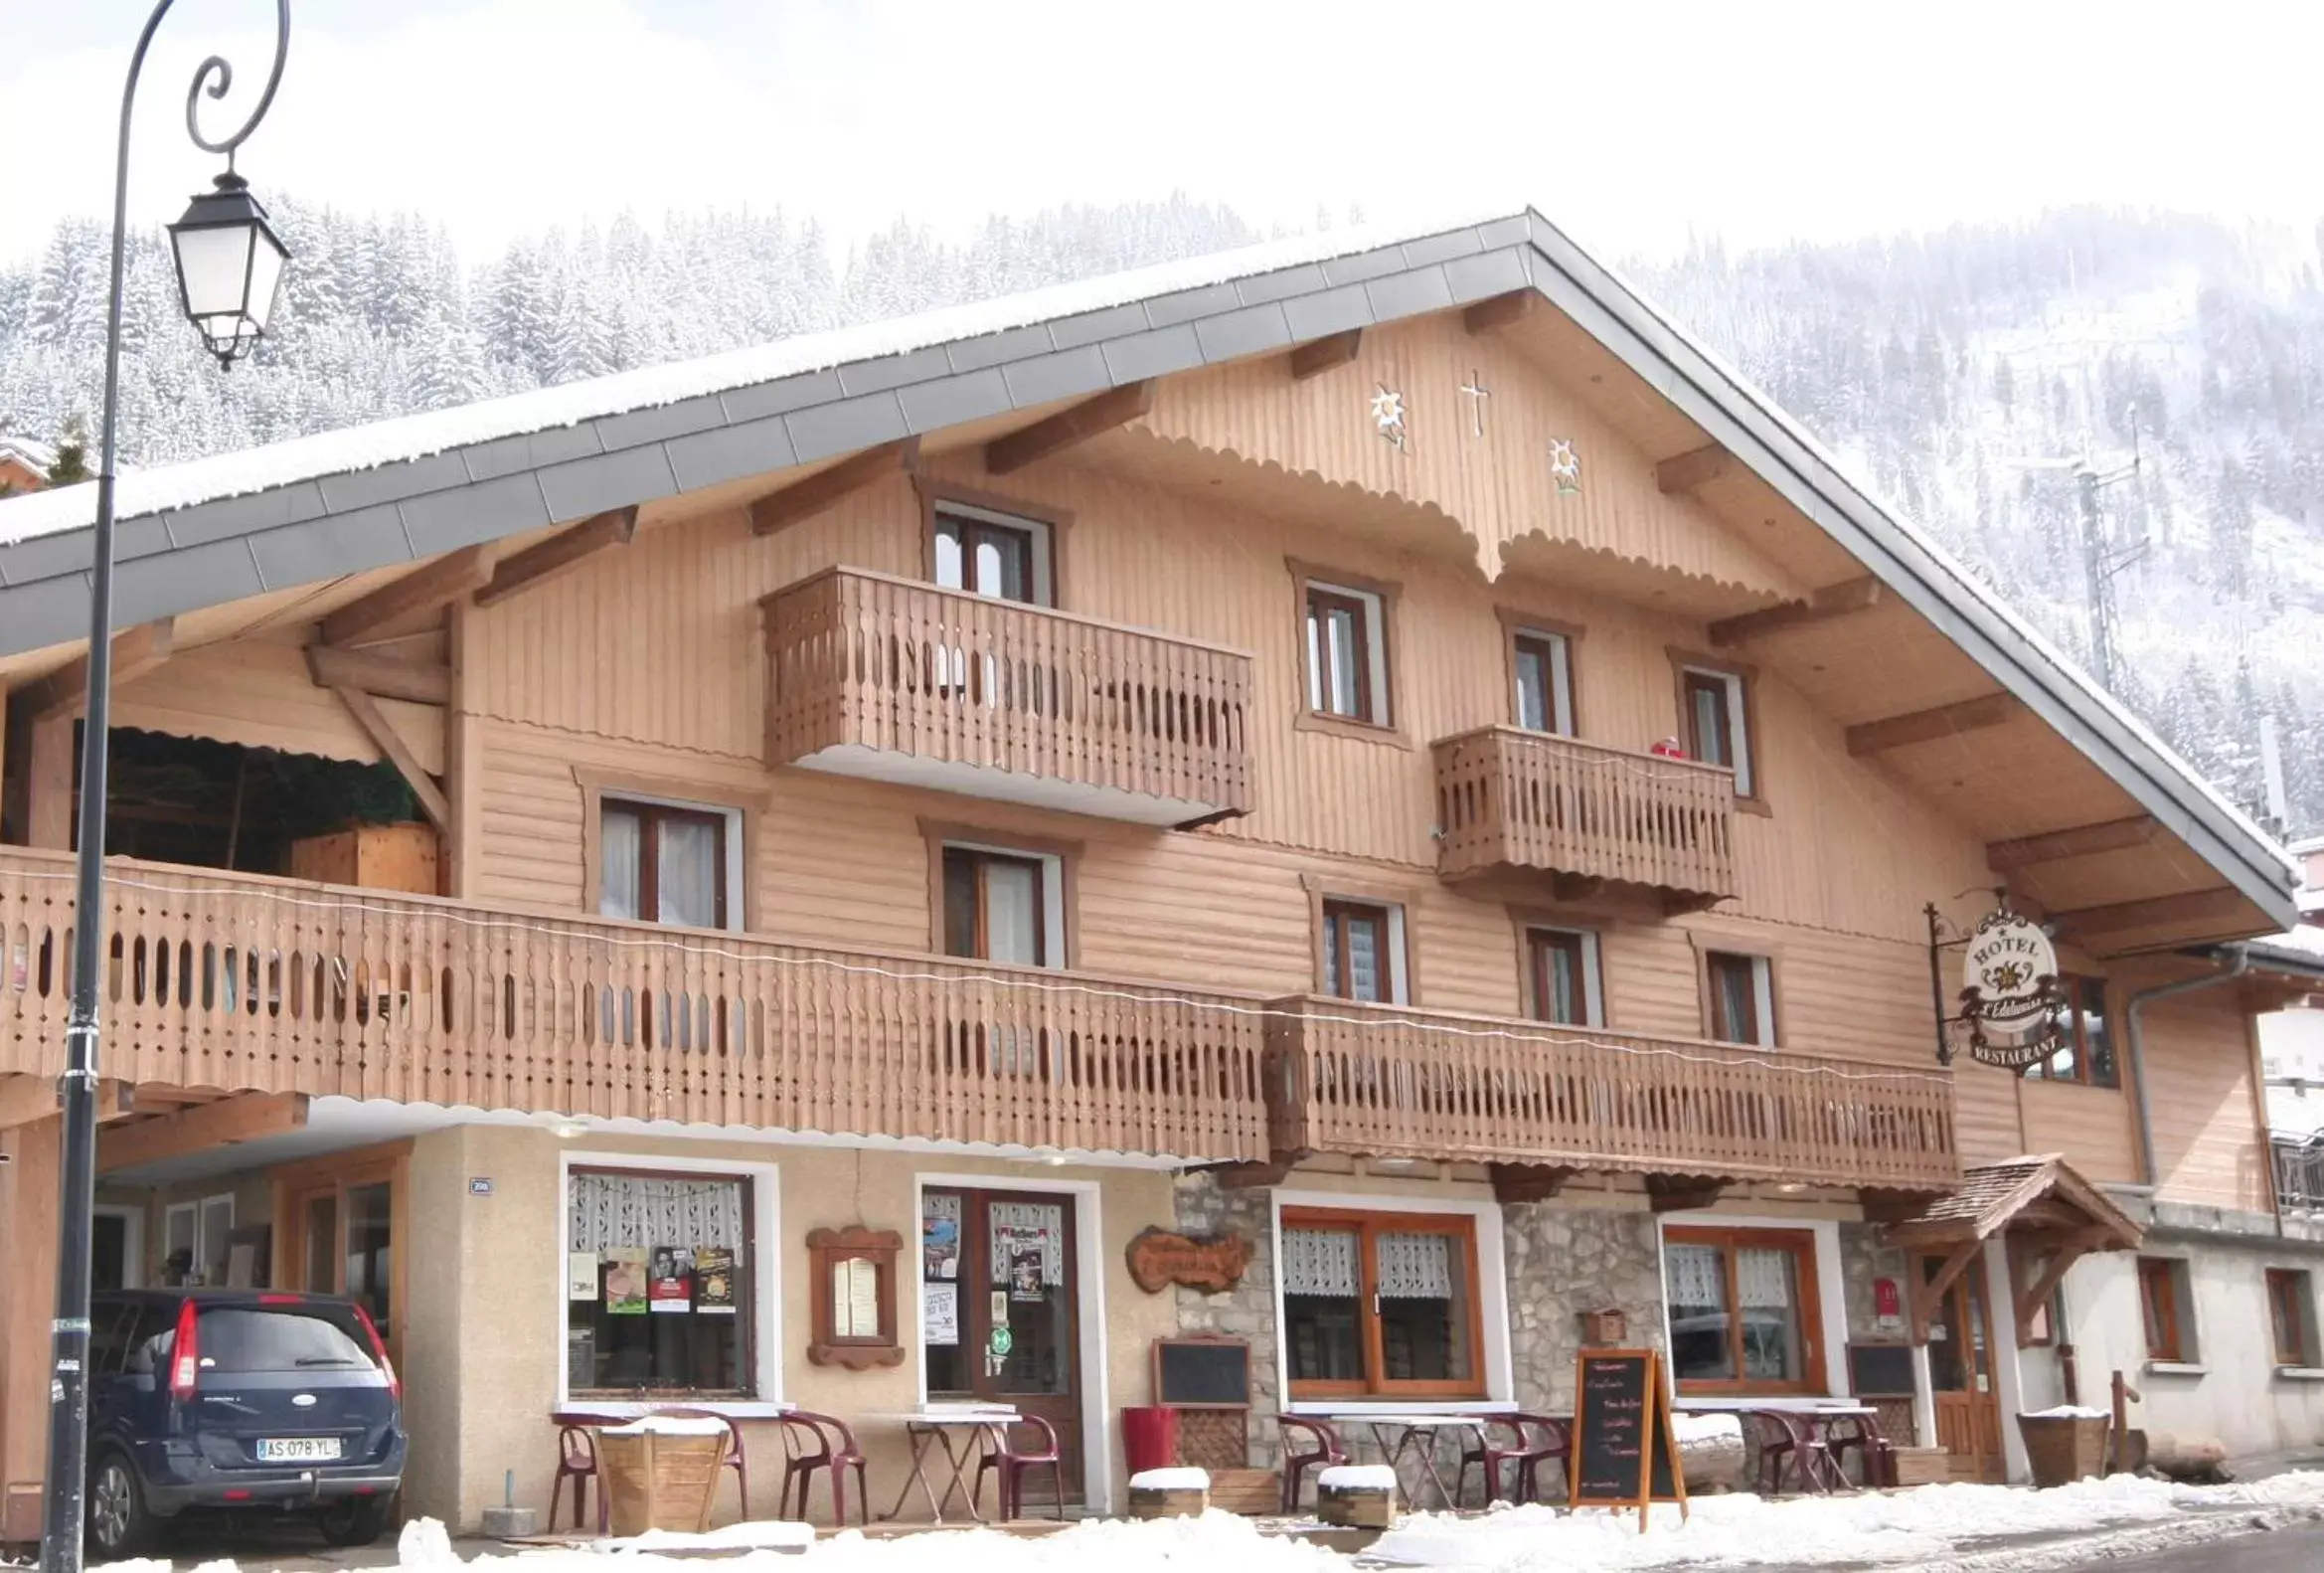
658 1481
1924 1466
1356 1507
1187 1502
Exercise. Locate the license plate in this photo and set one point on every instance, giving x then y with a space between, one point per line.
284 1449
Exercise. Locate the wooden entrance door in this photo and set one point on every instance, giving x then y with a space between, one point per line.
1961 1375
1005 1262
339 1229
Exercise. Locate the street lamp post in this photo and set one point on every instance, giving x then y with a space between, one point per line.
230 266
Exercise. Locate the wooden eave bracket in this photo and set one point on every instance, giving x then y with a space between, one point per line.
226 1123
2082 840
1515 1182
1927 726
136 651
1682 1192
2151 911
1833 601
424 589
1055 434
426 787
1488 316
1318 356
1682 473
1927 1297
1252 1176
827 487
2065 1249
382 677
559 554
26 1097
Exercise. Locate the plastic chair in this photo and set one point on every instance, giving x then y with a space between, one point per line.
576 1461
1537 1437
812 1442
1787 1439
1877 1455
734 1459
1328 1453
1014 1464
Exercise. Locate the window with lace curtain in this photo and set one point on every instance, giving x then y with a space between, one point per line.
661 864
1744 1310
660 1280
1381 1304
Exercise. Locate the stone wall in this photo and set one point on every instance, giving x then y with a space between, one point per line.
1865 1257
1247 1310
1564 1261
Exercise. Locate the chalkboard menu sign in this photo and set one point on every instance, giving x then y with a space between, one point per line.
1202 1373
1624 1451
1881 1371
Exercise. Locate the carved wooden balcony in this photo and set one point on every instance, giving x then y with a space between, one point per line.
1530 811
900 681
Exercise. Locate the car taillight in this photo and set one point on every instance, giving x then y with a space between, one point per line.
185 1365
379 1347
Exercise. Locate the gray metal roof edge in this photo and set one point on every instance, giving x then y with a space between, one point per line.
1788 459
318 527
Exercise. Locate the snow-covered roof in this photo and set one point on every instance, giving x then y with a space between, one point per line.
238 524
32 455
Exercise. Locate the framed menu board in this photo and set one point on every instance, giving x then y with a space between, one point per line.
852 1291
1624 1452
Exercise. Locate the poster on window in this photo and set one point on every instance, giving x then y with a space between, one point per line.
714 1280
939 1312
671 1286
939 1246
1025 1248
580 1275
625 1281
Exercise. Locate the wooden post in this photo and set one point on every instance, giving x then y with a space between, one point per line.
28 1301
48 805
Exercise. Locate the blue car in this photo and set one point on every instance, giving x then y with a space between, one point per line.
206 1400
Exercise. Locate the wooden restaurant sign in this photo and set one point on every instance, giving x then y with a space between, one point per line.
1212 1263
2010 996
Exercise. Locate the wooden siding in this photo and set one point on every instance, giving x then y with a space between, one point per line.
2199 1098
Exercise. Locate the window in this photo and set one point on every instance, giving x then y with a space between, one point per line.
1562 976
1715 723
659 1284
1003 906
991 554
663 863
1741 997
2087 1053
1381 1304
1346 660
1363 951
1743 1310
2291 1314
195 1248
2163 1299
1542 663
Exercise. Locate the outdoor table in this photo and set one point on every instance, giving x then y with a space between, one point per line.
936 1430
1415 1437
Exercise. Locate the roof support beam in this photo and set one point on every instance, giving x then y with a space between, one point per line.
424 589
1833 601
384 676
425 787
1928 1297
1318 356
826 487
1927 726
23 1099
559 554
2032 1297
2154 911
1697 466
2082 840
136 651
226 1123
1488 316
1091 418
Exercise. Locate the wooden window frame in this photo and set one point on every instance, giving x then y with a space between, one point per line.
2291 1298
1588 949
1063 855
1385 594
2077 986
745 1316
746 808
650 816
1743 717
1368 1224
2161 1282
1801 1243
1401 955
938 495
1345 915
1518 626
1761 962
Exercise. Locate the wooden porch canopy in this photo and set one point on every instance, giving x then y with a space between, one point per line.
2050 1215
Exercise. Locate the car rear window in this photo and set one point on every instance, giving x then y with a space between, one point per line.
282 1339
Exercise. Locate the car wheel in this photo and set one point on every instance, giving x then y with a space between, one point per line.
119 1525
354 1521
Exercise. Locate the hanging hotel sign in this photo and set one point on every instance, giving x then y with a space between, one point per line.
2009 988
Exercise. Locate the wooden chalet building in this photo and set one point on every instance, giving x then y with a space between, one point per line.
1377 745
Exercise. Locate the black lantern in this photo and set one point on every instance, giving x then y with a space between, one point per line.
229 267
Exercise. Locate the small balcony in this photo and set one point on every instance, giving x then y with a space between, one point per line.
1388 1082
1530 813
248 983
899 681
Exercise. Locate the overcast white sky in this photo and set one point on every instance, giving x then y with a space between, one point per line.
1629 121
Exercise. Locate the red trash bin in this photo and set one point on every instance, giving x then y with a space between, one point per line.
1149 1438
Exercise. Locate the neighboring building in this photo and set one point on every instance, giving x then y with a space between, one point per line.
24 464
1379 745
2291 1050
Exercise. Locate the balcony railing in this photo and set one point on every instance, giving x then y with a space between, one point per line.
882 677
2299 1171
1386 1081
1532 802
245 982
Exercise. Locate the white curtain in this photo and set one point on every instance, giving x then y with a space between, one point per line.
689 855
608 1210
1414 1266
1693 1276
1012 915
619 845
1320 1262
1011 1222
1763 1279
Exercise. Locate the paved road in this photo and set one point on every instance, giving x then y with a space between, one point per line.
2285 1551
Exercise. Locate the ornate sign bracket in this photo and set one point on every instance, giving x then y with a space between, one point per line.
2011 1005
